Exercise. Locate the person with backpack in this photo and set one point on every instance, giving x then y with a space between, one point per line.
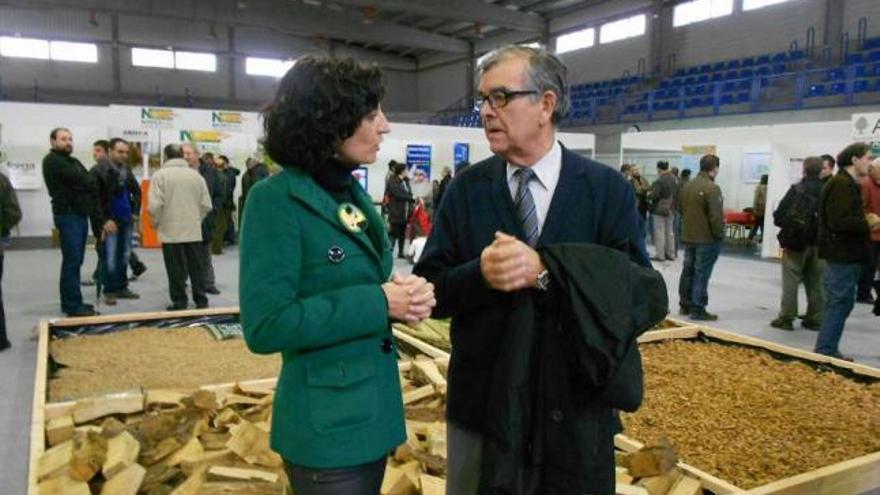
10 215
797 216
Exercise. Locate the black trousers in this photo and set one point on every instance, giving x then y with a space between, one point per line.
365 479
398 234
869 271
3 337
207 264
182 261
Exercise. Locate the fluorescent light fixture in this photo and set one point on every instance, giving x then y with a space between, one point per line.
147 57
622 29
195 61
272 67
73 52
24 47
584 38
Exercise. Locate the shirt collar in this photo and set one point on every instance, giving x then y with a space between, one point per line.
545 168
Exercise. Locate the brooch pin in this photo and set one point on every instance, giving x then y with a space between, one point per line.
352 218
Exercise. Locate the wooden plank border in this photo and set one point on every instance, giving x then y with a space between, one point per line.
128 317
843 478
38 420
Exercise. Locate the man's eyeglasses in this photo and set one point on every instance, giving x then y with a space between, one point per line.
499 98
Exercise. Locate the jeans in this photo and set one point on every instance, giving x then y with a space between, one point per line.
802 266
398 235
693 287
73 230
840 291
117 251
868 279
208 265
365 479
664 237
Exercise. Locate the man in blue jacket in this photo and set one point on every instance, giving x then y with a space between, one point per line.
482 251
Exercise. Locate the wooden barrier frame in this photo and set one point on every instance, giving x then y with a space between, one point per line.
43 411
843 478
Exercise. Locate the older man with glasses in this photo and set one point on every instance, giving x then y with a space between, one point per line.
483 258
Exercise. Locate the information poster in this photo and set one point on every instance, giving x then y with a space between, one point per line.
754 166
461 154
418 161
690 156
24 175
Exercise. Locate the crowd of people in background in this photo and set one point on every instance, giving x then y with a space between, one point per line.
829 234
108 196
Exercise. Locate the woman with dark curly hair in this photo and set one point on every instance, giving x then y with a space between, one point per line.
316 285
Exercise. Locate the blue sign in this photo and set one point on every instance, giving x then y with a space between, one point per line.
461 154
418 159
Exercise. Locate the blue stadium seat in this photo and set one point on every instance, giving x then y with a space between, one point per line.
874 56
763 70
816 90
742 97
630 109
708 101
854 58
705 69
718 66
861 85
747 72
727 99
795 55
717 77
642 108
838 88
733 64
748 62
744 85
679 71
703 79
834 74
728 87
779 57
779 68
669 105
664 83
693 70
862 71
763 59
871 43
689 80
700 90
731 74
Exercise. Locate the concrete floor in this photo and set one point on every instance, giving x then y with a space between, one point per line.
743 291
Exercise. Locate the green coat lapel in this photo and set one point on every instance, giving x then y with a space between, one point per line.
305 190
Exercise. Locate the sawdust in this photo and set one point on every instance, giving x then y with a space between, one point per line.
749 418
151 358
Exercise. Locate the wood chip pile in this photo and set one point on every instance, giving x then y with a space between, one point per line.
749 418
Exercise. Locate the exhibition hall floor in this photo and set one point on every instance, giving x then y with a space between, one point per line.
743 292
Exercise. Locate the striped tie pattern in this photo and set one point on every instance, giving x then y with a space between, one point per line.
525 205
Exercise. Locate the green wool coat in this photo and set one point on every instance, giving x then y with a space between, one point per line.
338 401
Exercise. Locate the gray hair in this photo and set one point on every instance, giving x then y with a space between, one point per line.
546 73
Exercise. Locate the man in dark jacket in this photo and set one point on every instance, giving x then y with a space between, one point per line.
10 215
215 184
400 207
702 210
119 202
844 243
481 254
663 194
231 174
73 200
797 217
256 171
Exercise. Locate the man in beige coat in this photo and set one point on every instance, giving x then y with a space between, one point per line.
178 202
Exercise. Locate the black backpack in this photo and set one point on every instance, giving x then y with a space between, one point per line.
799 222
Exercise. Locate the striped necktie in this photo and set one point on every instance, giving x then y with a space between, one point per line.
525 205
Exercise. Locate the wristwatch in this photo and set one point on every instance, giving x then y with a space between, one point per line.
543 281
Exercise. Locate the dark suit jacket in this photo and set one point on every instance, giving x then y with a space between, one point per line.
592 203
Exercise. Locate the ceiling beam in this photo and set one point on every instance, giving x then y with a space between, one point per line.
298 20
459 10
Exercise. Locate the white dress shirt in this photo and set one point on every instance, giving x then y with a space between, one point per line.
547 171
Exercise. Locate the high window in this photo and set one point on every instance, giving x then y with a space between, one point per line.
48 50
622 29
170 59
272 67
584 38
700 10
757 4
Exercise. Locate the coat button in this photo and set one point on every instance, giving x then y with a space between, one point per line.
336 254
387 346
557 415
